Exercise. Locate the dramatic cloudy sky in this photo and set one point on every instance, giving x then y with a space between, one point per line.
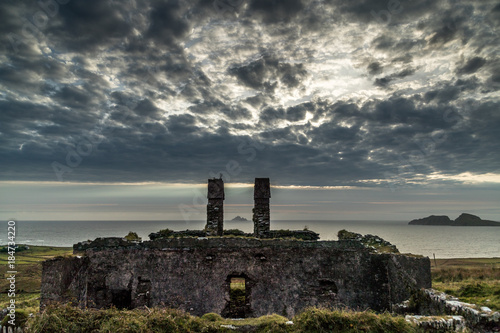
354 109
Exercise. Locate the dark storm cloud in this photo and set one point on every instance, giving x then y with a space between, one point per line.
146 108
471 66
72 97
298 112
386 12
182 124
374 68
385 81
166 24
271 115
450 25
236 113
335 154
333 133
447 92
177 89
261 74
86 25
276 11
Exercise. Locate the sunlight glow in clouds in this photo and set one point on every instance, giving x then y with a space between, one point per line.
470 178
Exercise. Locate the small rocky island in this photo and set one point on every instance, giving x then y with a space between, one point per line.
239 219
464 220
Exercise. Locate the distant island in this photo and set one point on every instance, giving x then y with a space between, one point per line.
464 220
239 219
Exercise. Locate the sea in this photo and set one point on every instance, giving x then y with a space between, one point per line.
438 241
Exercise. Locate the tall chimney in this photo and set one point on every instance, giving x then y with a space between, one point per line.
215 207
261 212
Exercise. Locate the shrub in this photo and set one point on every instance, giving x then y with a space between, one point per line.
323 320
235 232
212 317
133 236
19 248
66 318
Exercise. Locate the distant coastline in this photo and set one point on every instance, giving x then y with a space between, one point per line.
408 239
464 220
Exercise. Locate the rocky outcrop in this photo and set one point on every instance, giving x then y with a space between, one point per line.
239 219
463 220
433 220
473 220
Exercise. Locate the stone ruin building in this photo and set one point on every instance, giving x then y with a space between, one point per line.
197 274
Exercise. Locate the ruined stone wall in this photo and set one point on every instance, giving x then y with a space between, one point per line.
194 274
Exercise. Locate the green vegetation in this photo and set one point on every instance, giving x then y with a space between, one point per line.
19 248
167 233
19 321
29 275
235 232
133 236
374 242
294 234
275 234
64 318
322 320
36 254
475 281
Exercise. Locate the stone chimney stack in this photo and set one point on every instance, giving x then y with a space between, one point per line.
215 207
261 212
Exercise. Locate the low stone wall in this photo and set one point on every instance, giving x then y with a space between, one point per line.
438 323
428 302
194 274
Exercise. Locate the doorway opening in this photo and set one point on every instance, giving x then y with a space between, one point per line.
239 297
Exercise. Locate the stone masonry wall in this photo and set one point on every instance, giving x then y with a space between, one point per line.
261 210
215 208
261 218
194 274
215 217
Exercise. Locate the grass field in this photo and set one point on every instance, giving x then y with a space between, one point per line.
472 280
29 275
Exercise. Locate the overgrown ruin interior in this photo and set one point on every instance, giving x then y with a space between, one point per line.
233 276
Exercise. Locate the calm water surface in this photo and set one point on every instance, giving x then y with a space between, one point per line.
443 241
